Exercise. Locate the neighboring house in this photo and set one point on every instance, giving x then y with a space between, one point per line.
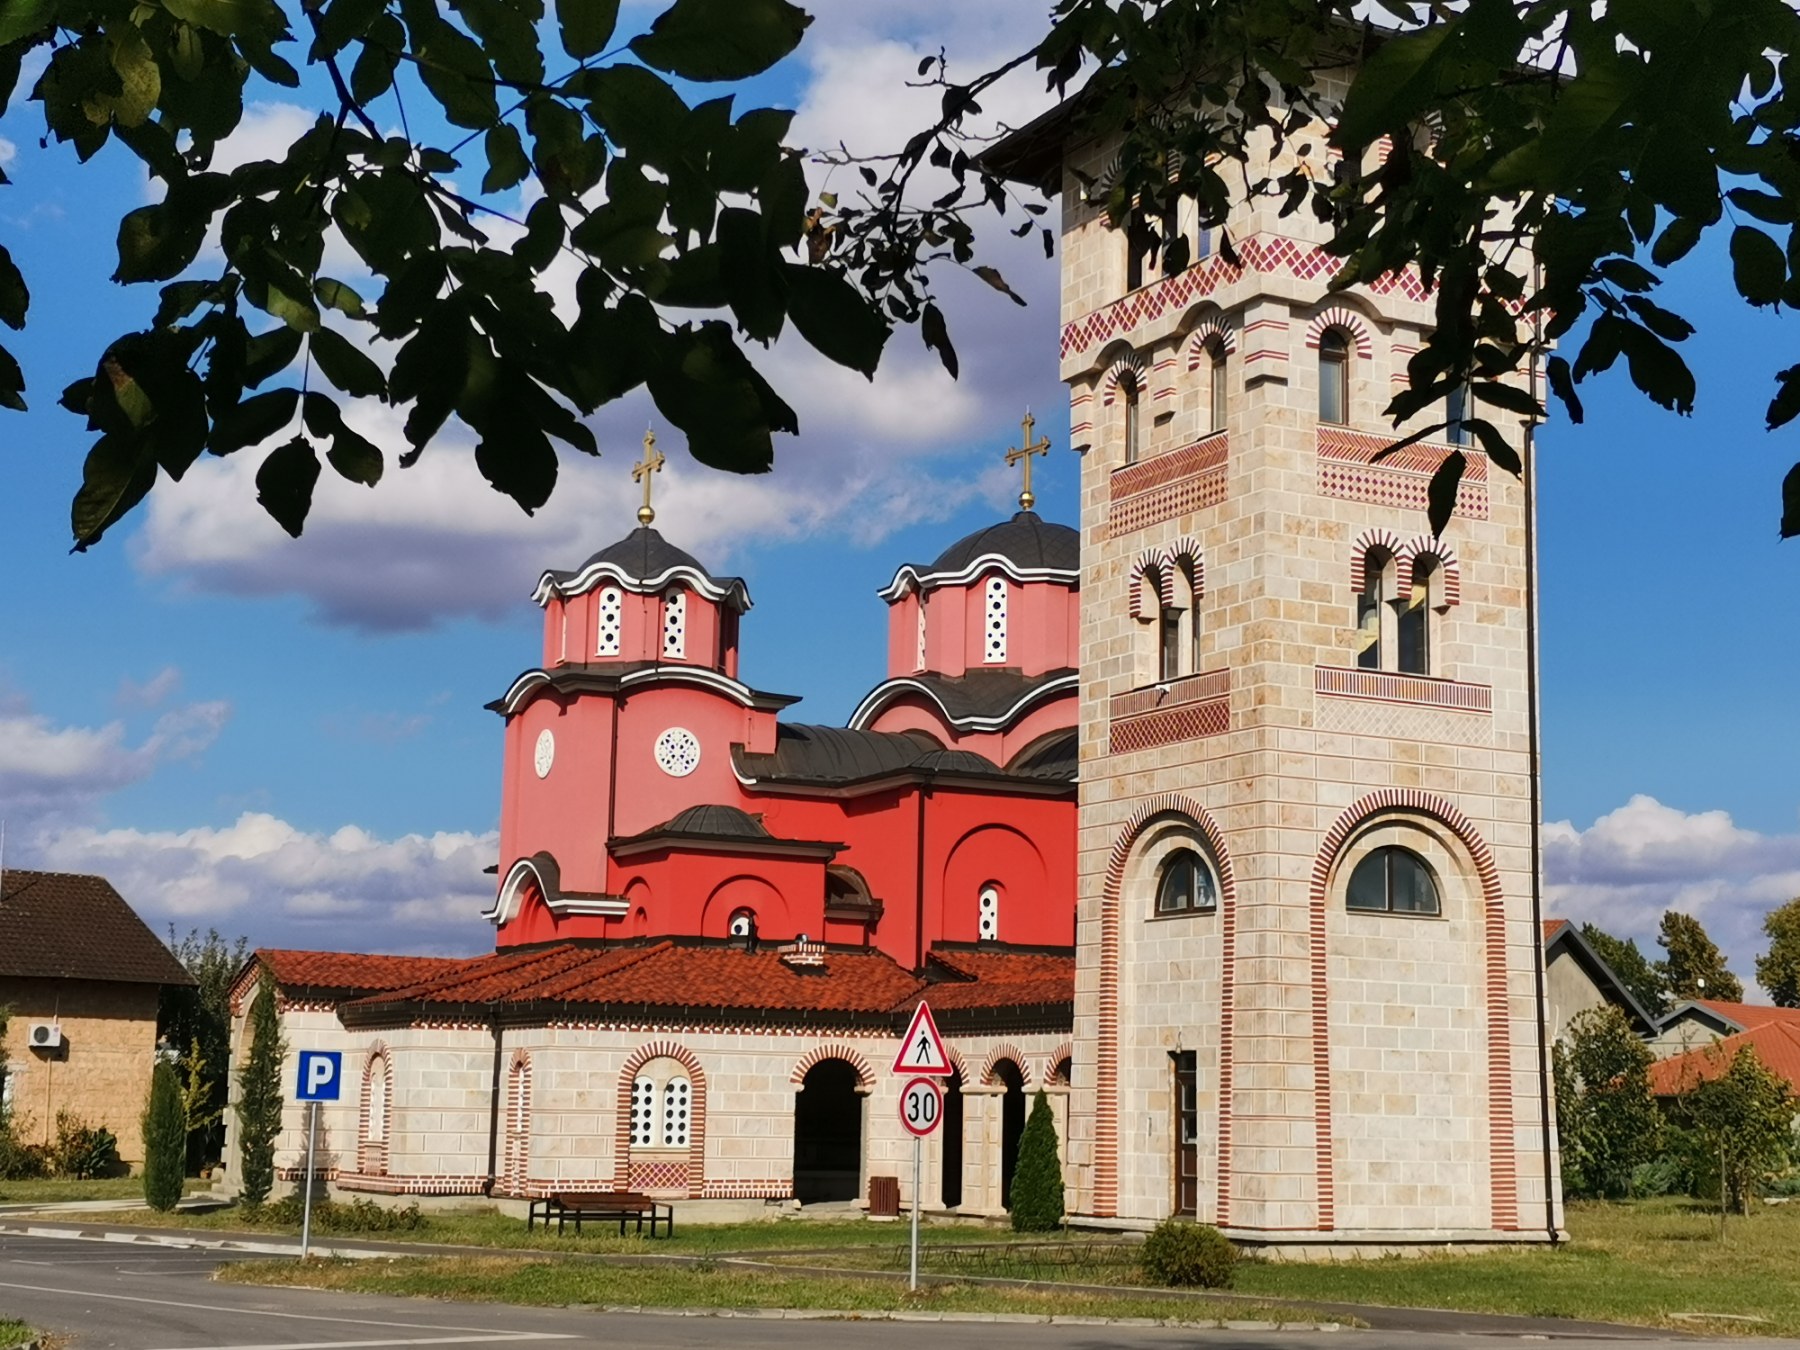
1700 1022
1576 979
81 975
1776 1042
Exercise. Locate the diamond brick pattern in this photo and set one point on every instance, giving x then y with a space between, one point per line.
1400 722
1165 728
659 1176
1202 688
1189 479
1347 469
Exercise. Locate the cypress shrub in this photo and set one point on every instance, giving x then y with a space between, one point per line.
165 1139
259 1097
1037 1189
1182 1253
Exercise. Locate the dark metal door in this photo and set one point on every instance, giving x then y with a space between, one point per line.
1187 1137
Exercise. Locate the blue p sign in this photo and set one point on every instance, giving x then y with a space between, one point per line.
321 1075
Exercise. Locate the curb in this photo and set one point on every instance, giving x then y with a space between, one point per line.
875 1315
227 1245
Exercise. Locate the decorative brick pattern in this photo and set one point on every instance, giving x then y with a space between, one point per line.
773 1189
1265 349
441 1183
1267 254
1106 1058
1192 478
1005 1051
1159 568
1109 385
1421 547
660 1176
1347 321
1050 1075
1128 735
1421 690
1205 333
1403 721
1377 540
375 1114
515 1155
694 1175
1202 688
1503 1161
1348 469
865 1076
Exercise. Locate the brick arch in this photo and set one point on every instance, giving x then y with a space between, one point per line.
1187 553
515 1158
1407 556
1152 565
1010 1051
958 1064
1106 1068
1502 1156
1064 1051
865 1076
695 1171
1109 382
371 1153
1370 541
1204 332
1347 319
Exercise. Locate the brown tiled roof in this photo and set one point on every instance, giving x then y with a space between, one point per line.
1751 1015
1552 927
1002 979
356 971
1777 1045
62 925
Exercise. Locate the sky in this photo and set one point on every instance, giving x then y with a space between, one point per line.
286 740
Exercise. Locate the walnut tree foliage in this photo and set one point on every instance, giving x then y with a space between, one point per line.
1694 966
1778 969
1635 970
1548 161
1606 1119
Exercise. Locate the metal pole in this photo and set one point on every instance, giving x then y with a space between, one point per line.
913 1282
312 1145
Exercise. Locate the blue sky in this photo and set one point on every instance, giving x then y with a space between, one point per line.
287 740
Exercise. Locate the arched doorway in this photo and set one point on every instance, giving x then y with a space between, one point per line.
951 1132
828 1134
1012 1125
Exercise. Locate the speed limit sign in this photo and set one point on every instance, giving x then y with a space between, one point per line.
921 1106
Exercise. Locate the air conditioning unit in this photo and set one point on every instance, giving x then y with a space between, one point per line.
45 1035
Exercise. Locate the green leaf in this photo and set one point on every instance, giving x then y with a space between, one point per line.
1790 503
1765 206
522 464
453 67
835 317
1563 386
285 481
992 276
751 272
1399 79
937 336
269 354
12 382
231 18
1495 445
347 366
1669 326
355 458
1657 369
721 39
253 421
336 295
15 299
1507 396
24 18
1440 493
118 472
587 25
1757 266
507 164
140 78
373 73
158 242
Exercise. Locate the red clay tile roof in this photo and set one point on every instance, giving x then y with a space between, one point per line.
1777 1045
1751 1015
62 925
999 979
352 970
1552 927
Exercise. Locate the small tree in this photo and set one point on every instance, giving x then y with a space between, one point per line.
1605 1115
1635 970
165 1139
259 1097
1740 1131
1695 967
1778 969
1037 1189
201 1013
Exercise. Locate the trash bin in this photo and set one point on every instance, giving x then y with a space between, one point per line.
884 1197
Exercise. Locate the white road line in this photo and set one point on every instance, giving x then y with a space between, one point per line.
188 1305
484 1338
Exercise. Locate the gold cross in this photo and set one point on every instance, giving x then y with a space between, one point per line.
1024 452
652 462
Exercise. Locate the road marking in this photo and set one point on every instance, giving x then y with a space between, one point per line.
482 1338
188 1305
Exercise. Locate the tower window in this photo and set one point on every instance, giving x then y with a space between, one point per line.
1129 395
1393 880
1456 411
1168 665
675 623
612 604
1414 626
1185 884
994 649
743 923
1369 611
987 918
1334 377
1221 385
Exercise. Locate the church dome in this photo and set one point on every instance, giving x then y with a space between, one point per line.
957 761
1028 541
642 555
719 822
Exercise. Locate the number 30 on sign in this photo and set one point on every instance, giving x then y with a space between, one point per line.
921 1106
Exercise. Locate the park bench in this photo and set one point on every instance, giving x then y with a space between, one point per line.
604 1207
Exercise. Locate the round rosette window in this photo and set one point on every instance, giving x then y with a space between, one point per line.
677 752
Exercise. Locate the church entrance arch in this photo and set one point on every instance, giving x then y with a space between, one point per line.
1012 1125
828 1132
951 1132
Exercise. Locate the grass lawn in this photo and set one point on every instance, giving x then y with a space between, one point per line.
14 1333
559 1283
54 1190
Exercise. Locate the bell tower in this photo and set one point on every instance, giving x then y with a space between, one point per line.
1307 999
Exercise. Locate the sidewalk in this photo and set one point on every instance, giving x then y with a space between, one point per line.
1376 1317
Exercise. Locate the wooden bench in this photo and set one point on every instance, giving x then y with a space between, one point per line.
605 1206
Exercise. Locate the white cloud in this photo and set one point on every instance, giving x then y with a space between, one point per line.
8 151
1630 865
151 692
347 890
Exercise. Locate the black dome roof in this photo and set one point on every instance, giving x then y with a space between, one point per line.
723 821
1027 541
643 555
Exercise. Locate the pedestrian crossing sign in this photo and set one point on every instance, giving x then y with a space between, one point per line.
922 1049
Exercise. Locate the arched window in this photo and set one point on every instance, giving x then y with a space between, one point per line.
920 661
1334 377
1393 880
675 623
743 923
1413 630
1129 396
1218 406
611 609
677 1098
987 917
1168 645
662 1105
1371 611
1456 410
643 1112
1185 884
994 648
378 1102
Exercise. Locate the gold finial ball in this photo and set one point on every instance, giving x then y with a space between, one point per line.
1027 500
646 514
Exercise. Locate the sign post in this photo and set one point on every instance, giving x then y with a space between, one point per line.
922 1054
321 1079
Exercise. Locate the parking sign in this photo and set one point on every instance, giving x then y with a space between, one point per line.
321 1076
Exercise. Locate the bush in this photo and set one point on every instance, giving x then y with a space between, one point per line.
82 1151
20 1161
337 1216
1660 1176
1037 1189
165 1139
1194 1254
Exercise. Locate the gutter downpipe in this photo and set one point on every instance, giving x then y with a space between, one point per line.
487 1187
1537 791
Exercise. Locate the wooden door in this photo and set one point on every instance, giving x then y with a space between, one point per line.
1187 1137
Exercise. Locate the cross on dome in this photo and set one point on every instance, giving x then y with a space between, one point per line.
1023 453
651 463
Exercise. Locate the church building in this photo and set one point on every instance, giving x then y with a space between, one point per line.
1215 819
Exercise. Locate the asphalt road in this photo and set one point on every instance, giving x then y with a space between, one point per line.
107 1295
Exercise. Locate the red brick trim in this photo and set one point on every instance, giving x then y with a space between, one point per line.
1408 555
1502 1156
1370 541
695 1176
515 1163
1064 1051
1207 331
432 1183
372 1153
1349 321
865 1076
1002 1052
1109 383
1106 1065
1149 566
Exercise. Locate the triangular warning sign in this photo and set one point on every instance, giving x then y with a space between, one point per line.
922 1048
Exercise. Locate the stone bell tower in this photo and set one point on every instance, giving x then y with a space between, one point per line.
1308 992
